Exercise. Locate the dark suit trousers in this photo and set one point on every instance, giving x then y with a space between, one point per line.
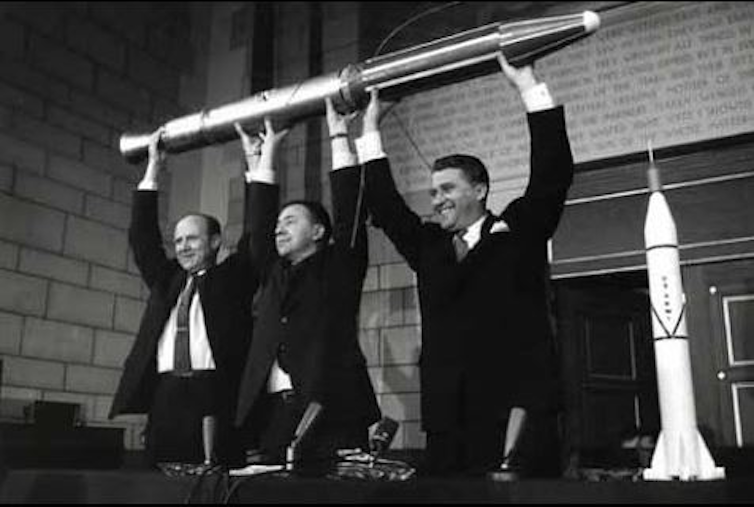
174 429
475 448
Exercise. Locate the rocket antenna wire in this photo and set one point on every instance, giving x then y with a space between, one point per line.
389 109
410 21
378 51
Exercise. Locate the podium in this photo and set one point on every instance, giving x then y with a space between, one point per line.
35 446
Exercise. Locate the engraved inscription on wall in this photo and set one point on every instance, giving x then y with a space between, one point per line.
675 73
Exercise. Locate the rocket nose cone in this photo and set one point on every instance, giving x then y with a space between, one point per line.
591 21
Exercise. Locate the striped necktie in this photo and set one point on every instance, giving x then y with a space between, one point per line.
182 337
460 245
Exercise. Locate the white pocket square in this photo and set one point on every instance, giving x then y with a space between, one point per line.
499 226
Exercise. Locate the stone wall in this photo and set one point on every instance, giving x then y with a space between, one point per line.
74 77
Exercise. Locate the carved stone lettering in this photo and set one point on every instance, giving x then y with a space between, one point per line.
676 74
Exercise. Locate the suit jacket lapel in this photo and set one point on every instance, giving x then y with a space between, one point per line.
206 299
177 283
167 301
486 226
483 237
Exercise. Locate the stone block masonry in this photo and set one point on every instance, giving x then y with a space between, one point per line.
75 76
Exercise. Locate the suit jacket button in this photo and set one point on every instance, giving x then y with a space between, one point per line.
284 320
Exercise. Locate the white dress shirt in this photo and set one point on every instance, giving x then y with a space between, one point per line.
474 232
278 379
201 352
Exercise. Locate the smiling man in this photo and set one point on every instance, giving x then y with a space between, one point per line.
459 191
184 367
487 361
197 240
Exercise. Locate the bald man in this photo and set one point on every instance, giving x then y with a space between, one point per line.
184 368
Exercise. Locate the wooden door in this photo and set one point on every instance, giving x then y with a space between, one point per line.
608 369
721 337
732 316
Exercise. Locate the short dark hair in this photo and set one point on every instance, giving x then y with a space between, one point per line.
472 167
317 213
212 223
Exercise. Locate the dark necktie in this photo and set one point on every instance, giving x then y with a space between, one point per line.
460 245
182 337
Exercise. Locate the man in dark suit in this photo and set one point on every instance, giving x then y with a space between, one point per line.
487 343
184 367
306 345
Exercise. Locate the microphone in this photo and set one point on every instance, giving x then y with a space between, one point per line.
312 412
508 471
209 430
516 426
383 436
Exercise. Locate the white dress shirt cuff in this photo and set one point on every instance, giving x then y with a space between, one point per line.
342 156
537 98
268 177
369 147
147 185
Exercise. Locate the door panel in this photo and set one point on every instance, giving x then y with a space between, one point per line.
608 366
613 358
739 325
743 411
733 328
608 411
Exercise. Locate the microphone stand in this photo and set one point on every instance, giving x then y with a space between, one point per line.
209 432
516 426
290 455
313 410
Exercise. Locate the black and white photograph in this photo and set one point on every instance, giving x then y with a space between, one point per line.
377 252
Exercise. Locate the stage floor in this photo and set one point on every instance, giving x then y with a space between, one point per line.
139 486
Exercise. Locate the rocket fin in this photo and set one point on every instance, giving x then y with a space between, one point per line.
682 455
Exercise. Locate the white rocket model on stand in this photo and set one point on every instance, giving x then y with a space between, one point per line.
680 453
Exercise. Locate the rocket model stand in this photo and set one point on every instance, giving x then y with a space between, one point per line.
680 453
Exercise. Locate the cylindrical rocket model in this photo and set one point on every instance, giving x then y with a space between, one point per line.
451 59
680 452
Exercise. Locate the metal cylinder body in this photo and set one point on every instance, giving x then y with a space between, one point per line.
286 105
451 59
472 53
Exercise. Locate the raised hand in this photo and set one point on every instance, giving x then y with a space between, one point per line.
156 153
260 151
252 146
337 123
373 113
157 159
522 77
271 138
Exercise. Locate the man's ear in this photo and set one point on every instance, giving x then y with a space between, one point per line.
481 190
216 241
319 232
